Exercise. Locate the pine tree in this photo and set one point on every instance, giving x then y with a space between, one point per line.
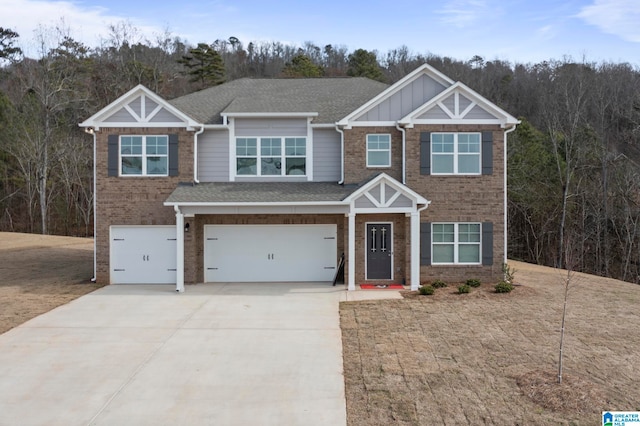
204 65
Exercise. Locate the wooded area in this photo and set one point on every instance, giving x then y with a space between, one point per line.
573 176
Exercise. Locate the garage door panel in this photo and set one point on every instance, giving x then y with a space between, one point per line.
143 255
253 253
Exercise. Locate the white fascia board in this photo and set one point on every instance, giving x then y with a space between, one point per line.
254 204
396 87
96 119
477 121
371 124
323 126
268 114
136 124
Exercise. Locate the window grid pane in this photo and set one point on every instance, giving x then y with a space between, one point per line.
457 243
270 147
295 147
378 150
144 155
456 153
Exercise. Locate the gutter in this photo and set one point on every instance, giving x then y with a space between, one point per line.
506 132
195 154
339 130
404 153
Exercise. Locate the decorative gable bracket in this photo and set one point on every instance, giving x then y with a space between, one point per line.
139 107
383 194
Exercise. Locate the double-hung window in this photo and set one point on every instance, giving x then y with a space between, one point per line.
378 150
456 243
144 155
271 156
456 153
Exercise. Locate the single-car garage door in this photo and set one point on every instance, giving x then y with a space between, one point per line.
143 255
255 253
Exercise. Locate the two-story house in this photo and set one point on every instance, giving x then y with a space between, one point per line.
265 180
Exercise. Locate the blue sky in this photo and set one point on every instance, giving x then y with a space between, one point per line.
521 31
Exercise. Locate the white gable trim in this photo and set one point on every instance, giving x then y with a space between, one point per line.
399 85
383 180
456 116
143 119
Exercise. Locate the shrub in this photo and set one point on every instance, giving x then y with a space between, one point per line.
438 284
508 273
426 290
504 287
473 282
464 288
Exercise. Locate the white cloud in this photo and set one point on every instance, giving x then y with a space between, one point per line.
89 25
463 13
617 17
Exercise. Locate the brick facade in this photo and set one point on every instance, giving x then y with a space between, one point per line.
461 199
355 154
133 200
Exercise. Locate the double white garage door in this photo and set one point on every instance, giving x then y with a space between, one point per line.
254 253
232 253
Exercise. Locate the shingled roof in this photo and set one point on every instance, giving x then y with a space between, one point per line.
260 192
331 98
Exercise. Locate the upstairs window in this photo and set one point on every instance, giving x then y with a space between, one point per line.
144 156
378 150
455 153
271 156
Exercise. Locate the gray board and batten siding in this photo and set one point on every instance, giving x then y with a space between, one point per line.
213 149
326 155
405 101
213 156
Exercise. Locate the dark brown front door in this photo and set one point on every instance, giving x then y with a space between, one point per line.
379 254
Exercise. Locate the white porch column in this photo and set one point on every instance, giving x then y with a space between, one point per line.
179 250
415 250
352 252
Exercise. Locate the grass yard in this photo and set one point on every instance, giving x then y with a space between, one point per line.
39 273
487 358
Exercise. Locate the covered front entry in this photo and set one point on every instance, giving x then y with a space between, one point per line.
379 251
268 253
294 231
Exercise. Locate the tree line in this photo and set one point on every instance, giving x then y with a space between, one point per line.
573 175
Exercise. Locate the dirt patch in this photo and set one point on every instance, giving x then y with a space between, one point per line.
39 273
487 358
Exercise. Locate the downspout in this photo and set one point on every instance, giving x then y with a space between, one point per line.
505 190
404 153
195 154
92 132
339 130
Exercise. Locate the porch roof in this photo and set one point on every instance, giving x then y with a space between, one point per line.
260 192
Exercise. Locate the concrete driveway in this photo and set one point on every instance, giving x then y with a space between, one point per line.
218 354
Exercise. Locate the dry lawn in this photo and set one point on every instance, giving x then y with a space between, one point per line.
487 358
39 273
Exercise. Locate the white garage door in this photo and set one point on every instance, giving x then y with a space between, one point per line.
254 253
143 255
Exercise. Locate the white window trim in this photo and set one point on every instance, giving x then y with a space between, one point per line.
377 150
283 157
456 244
144 157
456 154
